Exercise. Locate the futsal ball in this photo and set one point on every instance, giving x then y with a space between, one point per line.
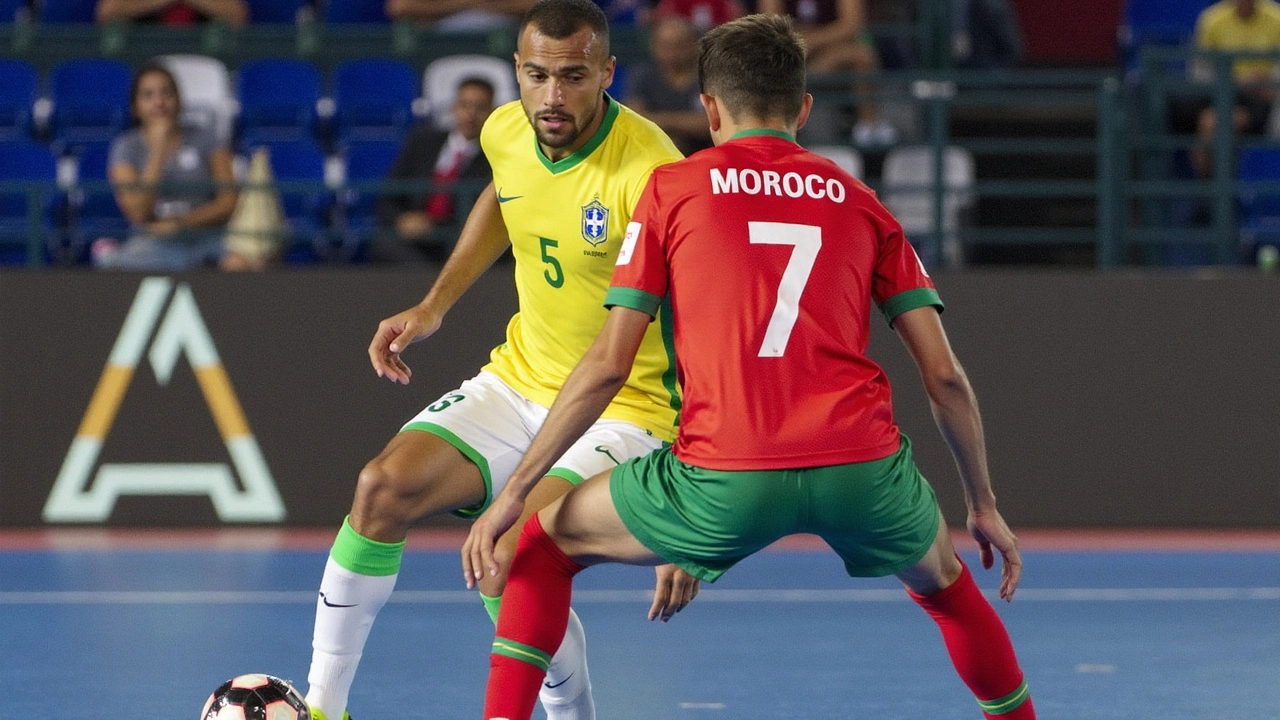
255 697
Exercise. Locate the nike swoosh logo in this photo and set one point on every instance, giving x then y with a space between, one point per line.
325 600
509 198
547 684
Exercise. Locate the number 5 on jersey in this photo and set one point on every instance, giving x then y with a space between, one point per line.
807 239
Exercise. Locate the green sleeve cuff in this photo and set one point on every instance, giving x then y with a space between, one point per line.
910 300
647 303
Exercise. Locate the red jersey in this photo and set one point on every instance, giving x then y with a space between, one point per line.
771 256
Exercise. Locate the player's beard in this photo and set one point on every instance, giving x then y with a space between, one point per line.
570 133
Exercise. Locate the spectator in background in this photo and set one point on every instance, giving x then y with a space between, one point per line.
625 13
1238 26
459 15
665 88
443 157
174 12
986 34
703 14
172 183
837 40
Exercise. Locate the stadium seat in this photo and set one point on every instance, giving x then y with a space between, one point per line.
1259 210
275 11
355 11
1159 22
907 181
278 99
25 160
12 11
365 161
90 99
67 11
205 88
18 83
442 76
847 158
93 211
306 208
373 99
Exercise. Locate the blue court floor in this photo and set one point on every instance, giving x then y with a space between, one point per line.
148 633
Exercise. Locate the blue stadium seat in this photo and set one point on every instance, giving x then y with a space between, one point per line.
365 161
278 99
1158 22
306 208
67 11
18 83
1259 210
93 210
25 161
355 11
373 99
275 11
12 11
90 99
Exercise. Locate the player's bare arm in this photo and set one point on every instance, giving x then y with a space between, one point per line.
482 241
955 410
586 393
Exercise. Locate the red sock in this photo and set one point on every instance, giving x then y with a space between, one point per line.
531 626
980 648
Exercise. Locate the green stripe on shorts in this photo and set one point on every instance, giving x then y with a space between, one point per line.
471 453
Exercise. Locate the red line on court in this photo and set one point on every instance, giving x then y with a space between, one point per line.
451 538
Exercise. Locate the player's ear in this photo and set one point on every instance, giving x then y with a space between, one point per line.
805 106
713 110
610 66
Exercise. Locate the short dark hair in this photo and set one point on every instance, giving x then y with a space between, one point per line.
561 18
754 65
479 82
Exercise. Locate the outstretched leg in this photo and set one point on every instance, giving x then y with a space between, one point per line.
975 637
581 529
417 475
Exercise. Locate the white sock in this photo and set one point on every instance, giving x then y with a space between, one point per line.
566 691
345 610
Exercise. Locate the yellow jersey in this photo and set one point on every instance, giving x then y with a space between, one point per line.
1220 28
566 220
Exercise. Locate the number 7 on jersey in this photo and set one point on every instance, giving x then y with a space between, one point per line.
807 239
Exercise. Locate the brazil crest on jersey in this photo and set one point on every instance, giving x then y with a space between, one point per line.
566 220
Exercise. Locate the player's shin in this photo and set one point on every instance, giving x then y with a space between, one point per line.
980 648
566 690
539 587
358 578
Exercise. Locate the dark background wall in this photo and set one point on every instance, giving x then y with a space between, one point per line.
1109 399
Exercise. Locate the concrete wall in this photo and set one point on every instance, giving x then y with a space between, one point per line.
1109 400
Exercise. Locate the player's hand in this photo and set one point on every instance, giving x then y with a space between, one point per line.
674 590
394 335
477 551
989 529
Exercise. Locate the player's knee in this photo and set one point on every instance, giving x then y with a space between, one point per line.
383 493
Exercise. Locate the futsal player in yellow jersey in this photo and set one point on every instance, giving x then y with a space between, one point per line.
569 164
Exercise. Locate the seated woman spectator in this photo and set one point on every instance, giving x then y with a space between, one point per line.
174 12
172 183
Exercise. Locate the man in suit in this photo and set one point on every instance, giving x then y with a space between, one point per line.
444 158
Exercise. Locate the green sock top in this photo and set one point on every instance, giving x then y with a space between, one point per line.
361 555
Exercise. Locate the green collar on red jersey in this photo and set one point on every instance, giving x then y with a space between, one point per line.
756 132
611 110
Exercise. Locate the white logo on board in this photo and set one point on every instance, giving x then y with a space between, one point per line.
80 495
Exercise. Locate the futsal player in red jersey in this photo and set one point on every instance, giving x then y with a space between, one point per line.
770 257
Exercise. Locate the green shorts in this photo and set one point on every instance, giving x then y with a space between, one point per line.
879 516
